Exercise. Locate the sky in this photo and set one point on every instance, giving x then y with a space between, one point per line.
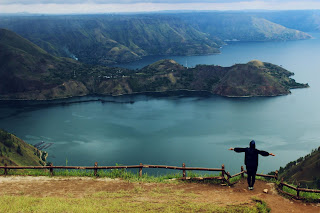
114 6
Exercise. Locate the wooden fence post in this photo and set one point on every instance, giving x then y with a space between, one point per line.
228 177
281 184
276 175
140 170
222 173
95 169
5 169
298 191
184 171
51 169
242 174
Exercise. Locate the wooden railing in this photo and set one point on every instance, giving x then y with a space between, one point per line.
297 189
224 177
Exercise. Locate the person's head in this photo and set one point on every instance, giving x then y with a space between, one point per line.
252 144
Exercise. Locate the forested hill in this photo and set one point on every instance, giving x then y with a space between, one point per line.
26 67
241 26
304 20
28 72
107 39
305 170
16 152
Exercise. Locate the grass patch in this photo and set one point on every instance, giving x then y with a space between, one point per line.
261 206
235 179
309 197
122 201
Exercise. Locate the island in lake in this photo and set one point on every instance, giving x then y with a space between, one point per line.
27 72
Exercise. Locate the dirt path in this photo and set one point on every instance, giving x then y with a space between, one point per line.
220 195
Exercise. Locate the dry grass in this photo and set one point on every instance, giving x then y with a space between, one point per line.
137 199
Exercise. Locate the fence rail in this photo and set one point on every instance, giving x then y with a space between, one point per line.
224 177
297 189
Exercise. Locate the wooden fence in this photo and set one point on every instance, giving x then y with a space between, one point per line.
297 189
224 177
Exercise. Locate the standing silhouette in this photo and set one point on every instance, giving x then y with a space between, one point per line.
251 161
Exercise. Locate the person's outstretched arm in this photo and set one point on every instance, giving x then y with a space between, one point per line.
264 153
237 149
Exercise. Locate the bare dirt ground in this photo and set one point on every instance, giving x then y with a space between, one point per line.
79 187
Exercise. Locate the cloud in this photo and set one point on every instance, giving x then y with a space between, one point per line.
112 6
131 1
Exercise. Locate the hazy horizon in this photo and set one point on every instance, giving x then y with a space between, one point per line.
134 6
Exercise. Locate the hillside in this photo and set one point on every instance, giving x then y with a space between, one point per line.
304 20
252 79
26 67
305 170
16 152
107 39
240 26
28 72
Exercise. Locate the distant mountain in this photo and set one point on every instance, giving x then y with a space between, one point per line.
28 72
107 39
242 26
305 170
304 20
16 152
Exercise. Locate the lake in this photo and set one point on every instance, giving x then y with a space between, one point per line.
196 130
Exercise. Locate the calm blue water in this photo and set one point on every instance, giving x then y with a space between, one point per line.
194 130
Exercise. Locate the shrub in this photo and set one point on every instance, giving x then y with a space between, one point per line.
19 151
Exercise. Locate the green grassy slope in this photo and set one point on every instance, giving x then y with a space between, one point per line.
16 152
305 170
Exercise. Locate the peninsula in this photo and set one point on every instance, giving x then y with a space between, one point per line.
27 72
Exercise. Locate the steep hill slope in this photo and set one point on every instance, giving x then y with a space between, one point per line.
305 170
16 152
242 27
25 67
104 39
304 20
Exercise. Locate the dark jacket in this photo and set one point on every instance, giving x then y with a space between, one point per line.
251 155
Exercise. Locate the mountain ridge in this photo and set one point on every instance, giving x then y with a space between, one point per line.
305 170
40 76
106 39
109 39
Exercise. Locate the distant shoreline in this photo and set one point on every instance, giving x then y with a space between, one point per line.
169 93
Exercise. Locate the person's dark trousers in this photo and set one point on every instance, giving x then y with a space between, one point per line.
251 172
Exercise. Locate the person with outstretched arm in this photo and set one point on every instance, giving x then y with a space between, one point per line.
251 161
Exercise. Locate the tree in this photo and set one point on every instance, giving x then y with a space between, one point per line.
19 151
